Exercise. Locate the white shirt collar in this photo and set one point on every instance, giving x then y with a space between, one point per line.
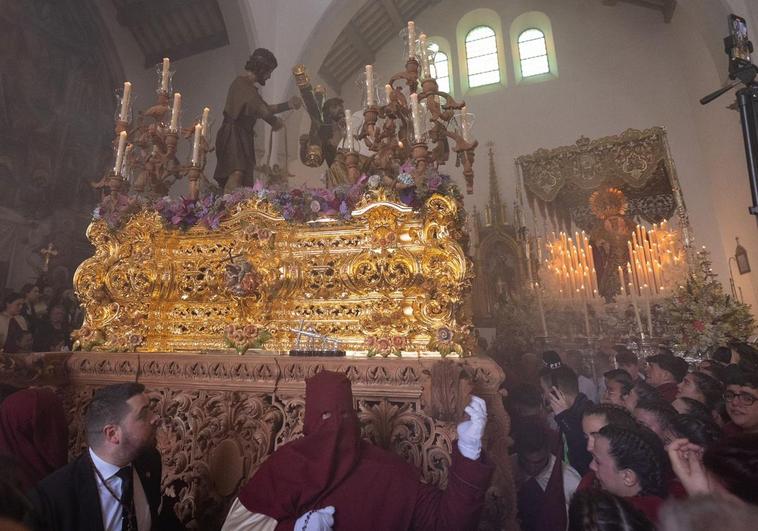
106 469
543 478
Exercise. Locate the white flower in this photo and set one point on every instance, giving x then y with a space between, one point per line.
374 181
406 178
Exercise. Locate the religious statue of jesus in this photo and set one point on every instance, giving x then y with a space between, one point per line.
244 105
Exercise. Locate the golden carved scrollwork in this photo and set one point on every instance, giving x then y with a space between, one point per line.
149 288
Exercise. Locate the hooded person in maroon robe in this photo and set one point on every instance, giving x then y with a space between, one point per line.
33 431
334 477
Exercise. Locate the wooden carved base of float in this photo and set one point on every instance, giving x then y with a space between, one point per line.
222 415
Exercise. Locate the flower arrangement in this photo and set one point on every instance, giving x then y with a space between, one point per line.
699 316
295 205
385 346
244 337
114 209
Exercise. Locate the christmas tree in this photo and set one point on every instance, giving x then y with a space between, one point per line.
699 316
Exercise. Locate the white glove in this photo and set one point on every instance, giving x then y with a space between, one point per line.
470 431
319 520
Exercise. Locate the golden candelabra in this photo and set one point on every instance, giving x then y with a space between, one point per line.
146 162
400 123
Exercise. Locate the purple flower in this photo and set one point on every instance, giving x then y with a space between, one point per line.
288 212
408 196
344 210
434 181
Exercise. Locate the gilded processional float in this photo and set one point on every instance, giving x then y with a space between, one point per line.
367 276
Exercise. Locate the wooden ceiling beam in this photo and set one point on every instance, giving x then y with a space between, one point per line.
359 44
139 11
394 13
330 80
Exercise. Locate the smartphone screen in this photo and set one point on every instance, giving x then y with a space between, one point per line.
738 31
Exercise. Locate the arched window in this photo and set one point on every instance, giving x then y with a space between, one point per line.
532 51
533 47
440 68
481 57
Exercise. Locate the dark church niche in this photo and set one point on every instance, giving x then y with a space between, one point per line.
58 71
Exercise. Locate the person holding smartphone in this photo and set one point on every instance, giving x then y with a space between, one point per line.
560 388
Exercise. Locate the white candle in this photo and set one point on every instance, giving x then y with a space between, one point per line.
411 39
370 97
126 158
416 115
465 126
175 112
164 74
424 58
196 145
120 152
125 102
204 122
348 130
388 92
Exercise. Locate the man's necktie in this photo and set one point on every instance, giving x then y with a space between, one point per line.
128 515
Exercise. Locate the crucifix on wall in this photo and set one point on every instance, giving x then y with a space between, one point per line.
47 253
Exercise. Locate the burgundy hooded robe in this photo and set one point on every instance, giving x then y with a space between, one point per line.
370 488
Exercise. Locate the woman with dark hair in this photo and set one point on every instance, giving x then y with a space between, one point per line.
703 432
690 406
598 416
631 464
656 415
618 385
12 323
594 419
727 469
598 510
734 462
641 392
701 387
30 293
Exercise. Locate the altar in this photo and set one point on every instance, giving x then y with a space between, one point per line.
223 414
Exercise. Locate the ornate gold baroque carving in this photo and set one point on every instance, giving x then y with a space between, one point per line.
391 271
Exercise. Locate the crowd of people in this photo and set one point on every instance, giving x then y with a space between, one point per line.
602 443
38 318
665 440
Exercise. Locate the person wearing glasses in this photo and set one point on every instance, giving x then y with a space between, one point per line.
741 399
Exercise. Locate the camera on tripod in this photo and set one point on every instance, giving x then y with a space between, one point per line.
742 71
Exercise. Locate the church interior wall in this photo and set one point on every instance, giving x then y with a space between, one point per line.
620 68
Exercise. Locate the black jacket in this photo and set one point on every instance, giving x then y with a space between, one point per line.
68 500
570 424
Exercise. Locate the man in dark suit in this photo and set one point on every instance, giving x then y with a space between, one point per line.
115 484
